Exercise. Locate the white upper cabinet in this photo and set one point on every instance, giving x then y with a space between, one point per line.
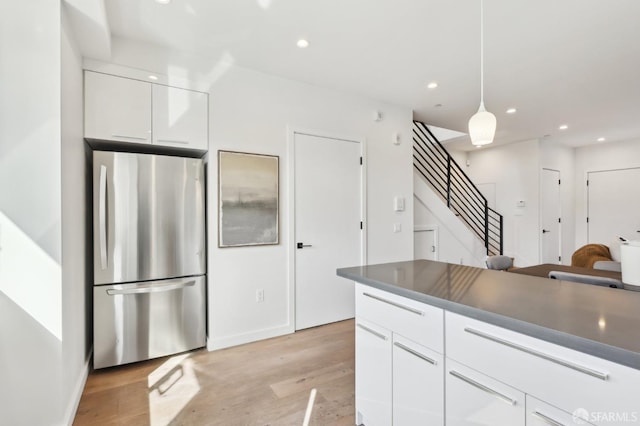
180 117
126 110
117 108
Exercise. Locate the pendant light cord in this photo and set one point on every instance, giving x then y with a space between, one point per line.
481 51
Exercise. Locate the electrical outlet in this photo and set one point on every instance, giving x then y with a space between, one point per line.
260 295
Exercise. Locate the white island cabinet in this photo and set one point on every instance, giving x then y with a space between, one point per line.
399 363
418 364
121 109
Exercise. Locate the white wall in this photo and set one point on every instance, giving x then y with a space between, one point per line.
42 207
561 158
514 168
251 111
456 242
30 213
605 156
76 251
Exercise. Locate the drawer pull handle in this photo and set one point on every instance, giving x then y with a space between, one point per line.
483 387
548 420
173 141
151 289
397 305
137 138
415 353
581 369
375 333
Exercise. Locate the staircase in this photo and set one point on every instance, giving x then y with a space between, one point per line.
432 161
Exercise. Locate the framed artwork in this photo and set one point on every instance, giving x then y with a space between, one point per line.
247 199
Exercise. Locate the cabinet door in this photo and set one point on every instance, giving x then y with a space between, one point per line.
418 383
373 374
542 414
475 399
180 117
116 108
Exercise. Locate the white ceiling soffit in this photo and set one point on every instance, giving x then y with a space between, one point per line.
571 62
88 18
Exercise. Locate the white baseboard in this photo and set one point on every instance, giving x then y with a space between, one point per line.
240 339
72 407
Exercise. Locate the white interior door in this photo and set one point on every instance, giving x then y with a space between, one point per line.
550 216
425 243
328 235
613 205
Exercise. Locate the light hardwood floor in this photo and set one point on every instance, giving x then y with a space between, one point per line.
262 383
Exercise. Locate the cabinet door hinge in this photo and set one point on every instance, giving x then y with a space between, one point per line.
559 258
559 220
361 225
361 161
558 181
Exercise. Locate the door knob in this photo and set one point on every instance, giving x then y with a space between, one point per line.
302 245
544 231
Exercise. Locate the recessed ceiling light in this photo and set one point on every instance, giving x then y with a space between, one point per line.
163 1
432 85
511 111
438 105
546 136
302 43
153 77
601 139
563 127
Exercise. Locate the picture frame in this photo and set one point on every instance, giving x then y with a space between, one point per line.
248 199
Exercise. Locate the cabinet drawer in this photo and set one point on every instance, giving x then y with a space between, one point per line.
475 399
542 414
565 378
416 321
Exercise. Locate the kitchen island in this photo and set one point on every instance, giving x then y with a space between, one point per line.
499 348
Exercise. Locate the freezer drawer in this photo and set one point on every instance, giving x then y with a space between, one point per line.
148 217
134 322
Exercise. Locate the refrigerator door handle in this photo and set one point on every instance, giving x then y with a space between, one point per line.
103 216
152 289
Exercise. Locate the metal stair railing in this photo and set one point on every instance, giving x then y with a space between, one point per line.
455 188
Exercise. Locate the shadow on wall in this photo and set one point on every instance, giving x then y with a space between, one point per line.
30 277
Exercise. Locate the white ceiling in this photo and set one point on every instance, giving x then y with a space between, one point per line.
574 62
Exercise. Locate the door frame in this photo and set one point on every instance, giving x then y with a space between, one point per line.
434 228
291 211
541 225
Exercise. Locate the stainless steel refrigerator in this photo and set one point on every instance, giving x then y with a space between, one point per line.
149 256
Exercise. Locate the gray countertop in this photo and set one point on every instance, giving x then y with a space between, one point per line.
600 321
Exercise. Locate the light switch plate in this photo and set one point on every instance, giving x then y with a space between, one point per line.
398 204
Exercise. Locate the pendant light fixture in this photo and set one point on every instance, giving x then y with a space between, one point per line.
482 126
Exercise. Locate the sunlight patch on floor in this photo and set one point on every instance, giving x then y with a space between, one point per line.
171 387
